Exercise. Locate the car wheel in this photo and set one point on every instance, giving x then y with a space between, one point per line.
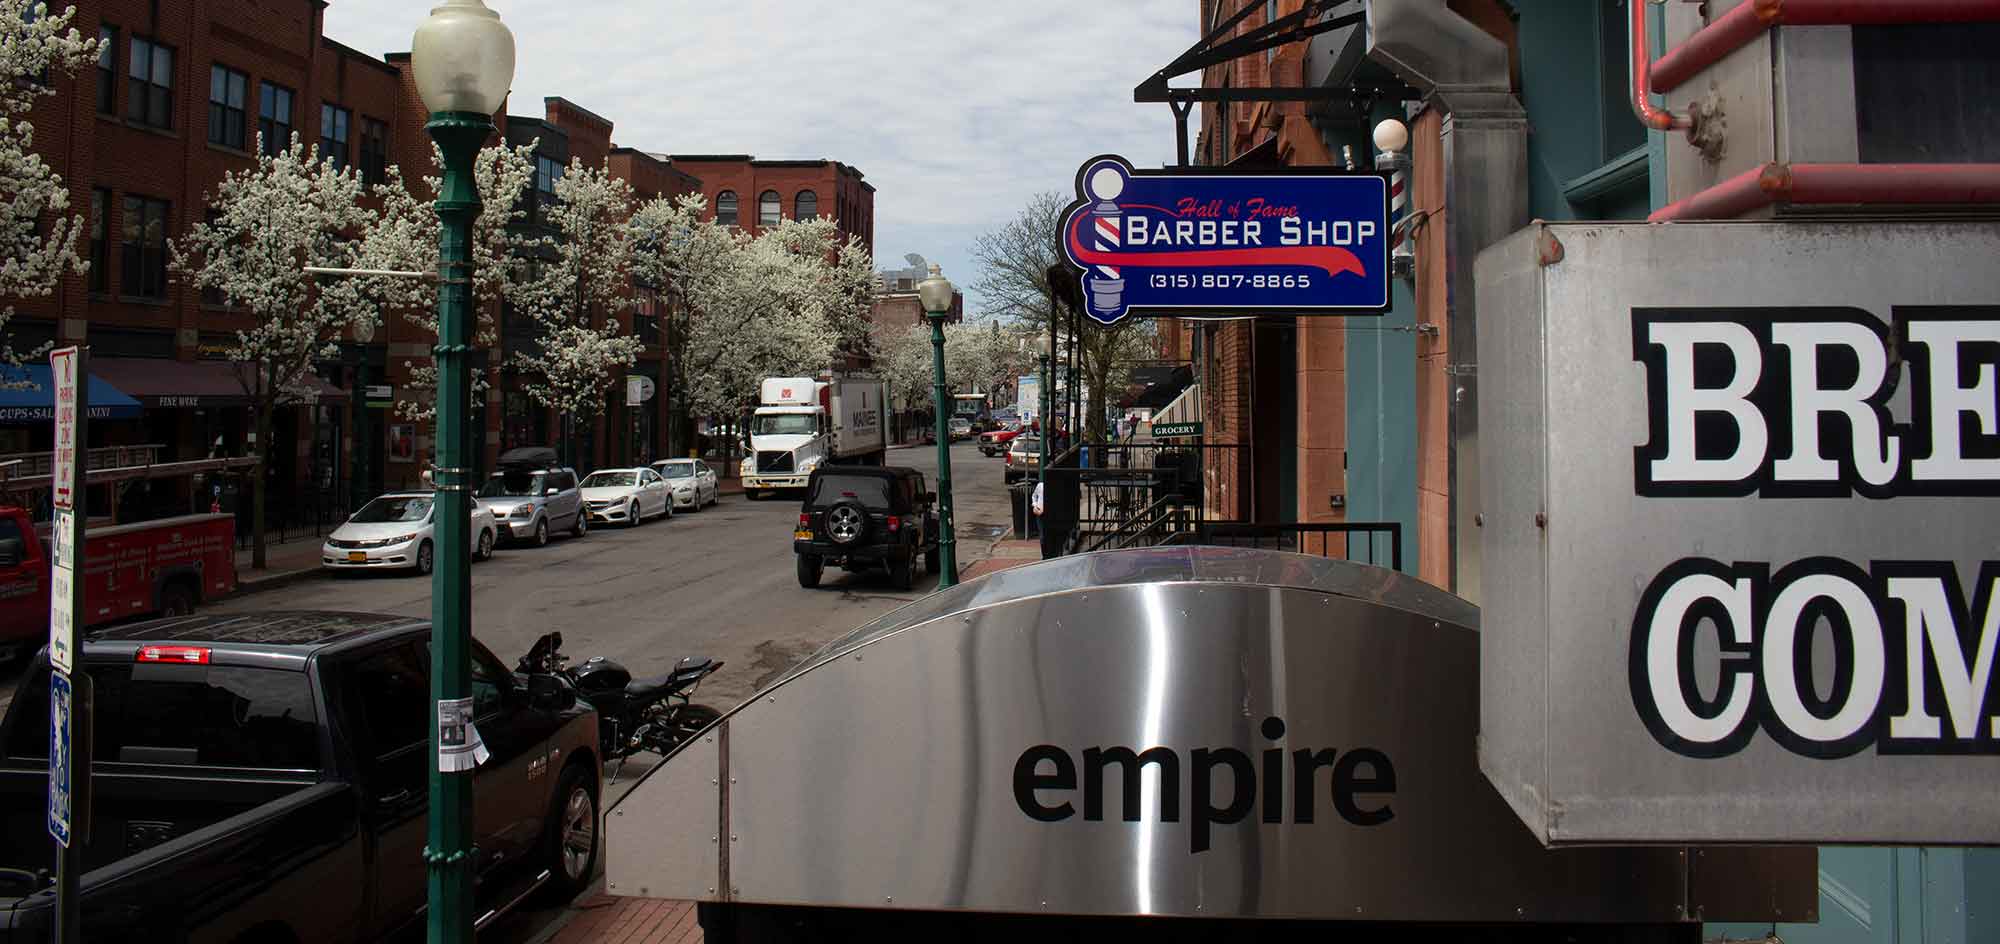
176 600
900 568
582 525
569 838
847 522
632 519
542 532
425 558
810 568
485 551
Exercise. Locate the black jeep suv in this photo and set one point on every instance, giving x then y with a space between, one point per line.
858 516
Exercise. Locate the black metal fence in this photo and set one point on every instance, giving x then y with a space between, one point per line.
1367 542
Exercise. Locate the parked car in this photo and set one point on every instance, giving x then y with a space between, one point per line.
626 496
961 428
693 482
394 532
994 443
532 496
261 777
1024 457
866 516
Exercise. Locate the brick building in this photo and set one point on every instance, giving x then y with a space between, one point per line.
752 193
178 99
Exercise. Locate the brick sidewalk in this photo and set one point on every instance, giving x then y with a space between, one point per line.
613 919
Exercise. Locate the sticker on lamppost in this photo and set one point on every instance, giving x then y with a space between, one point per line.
1192 242
60 793
459 746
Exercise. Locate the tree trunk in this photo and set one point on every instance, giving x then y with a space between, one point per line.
260 477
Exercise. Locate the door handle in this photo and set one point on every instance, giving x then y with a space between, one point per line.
397 798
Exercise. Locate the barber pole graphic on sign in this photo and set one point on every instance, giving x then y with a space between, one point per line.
1195 243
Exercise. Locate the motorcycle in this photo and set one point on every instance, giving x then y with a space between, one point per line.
655 714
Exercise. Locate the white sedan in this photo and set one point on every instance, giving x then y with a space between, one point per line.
393 532
626 496
693 482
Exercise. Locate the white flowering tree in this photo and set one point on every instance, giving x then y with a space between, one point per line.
268 224
405 237
37 233
781 303
574 289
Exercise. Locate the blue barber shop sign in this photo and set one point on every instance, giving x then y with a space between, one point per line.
1209 242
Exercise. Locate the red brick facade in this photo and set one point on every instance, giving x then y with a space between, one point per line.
836 189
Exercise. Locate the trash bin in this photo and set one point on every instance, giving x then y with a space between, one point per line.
1021 496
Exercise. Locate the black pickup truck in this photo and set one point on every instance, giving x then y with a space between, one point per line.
262 778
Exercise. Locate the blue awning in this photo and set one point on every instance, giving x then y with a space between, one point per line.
27 395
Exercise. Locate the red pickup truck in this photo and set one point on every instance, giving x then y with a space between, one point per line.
164 566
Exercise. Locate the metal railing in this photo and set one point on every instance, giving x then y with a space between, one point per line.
1341 540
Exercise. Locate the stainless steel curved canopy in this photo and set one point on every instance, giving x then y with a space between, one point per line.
1169 731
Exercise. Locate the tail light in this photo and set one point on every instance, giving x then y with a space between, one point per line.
805 520
894 523
174 655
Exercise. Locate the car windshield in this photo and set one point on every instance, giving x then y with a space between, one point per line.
512 485
872 491
784 424
394 508
676 470
615 478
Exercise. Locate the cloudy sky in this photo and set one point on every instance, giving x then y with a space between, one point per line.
956 111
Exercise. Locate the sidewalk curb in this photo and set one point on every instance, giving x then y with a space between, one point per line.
271 580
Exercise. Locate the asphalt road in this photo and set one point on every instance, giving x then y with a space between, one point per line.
718 583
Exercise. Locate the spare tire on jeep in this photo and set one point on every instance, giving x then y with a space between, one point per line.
847 522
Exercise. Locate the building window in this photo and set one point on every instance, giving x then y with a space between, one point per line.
374 152
226 91
725 208
547 172
100 241
1622 130
805 206
769 208
144 248
274 119
149 96
107 70
333 135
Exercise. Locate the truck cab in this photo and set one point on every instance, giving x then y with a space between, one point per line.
802 423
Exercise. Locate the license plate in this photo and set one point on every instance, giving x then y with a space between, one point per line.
803 535
357 557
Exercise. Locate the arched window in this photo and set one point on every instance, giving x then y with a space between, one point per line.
769 208
805 206
725 208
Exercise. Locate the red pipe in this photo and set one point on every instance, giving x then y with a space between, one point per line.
1735 29
1838 183
1650 115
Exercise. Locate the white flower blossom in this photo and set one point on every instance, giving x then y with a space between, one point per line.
574 288
37 234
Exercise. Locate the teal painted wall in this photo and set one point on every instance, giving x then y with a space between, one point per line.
1381 360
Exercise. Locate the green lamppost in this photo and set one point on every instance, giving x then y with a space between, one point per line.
463 60
935 293
1042 441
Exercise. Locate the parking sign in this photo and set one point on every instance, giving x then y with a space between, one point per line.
59 757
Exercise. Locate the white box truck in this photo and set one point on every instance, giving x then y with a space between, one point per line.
802 423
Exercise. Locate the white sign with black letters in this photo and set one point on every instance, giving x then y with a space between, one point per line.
1752 496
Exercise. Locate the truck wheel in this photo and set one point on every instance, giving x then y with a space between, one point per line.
810 568
569 836
900 568
176 600
425 558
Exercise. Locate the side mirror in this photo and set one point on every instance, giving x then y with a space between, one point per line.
11 552
553 491
549 693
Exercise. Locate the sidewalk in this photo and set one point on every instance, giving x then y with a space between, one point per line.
1006 554
627 921
292 561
